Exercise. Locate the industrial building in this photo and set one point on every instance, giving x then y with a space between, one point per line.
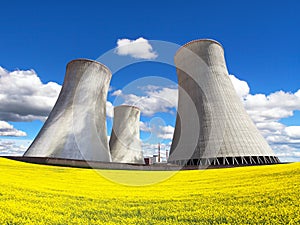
125 144
212 126
76 126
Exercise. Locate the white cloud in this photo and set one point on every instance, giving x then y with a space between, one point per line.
145 127
117 93
156 130
293 132
274 106
139 48
266 111
166 132
13 147
287 153
161 99
7 129
109 109
241 87
111 88
24 97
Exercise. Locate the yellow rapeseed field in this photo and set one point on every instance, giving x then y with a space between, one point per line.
39 194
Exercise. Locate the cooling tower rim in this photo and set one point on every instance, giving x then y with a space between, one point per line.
89 60
199 40
127 106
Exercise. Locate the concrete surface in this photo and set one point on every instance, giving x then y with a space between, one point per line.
212 126
125 144
76 126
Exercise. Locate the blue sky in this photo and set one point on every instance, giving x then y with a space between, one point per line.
261 41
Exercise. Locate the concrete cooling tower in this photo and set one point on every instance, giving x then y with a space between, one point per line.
212 126
125 144
76 126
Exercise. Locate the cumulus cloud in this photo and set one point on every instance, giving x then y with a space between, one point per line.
111 88
7 129
261 107
139 48
117 93
266 111
274 106
109 109
154 100
293 132
13 147
145 127
241 87
23 96
287 153
157 131
166 132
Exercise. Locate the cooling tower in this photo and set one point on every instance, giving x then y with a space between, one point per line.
125 145
76 126
225 134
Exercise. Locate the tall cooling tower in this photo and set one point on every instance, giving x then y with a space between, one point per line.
226 135
125 144
76 126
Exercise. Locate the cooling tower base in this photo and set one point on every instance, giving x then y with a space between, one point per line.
143 167
230 161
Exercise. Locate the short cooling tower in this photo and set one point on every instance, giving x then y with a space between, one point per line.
125 144
76 126
220 132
